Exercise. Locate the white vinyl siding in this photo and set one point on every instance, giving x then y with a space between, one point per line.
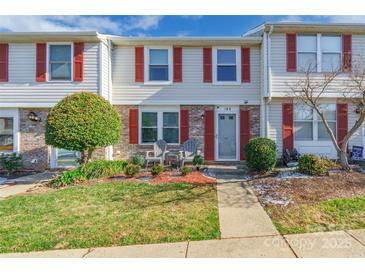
105 70
275 124
22 90
191 90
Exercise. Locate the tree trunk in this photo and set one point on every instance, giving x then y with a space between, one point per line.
343 156
86 156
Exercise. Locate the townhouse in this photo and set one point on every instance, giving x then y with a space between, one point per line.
220 91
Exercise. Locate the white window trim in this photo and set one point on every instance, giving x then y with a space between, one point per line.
319 51
316 119
48 66
238 66
13 113
147 66
160 110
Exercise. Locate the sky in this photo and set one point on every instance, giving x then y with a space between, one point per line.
158 25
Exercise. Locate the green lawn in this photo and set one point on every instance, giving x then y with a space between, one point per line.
336 214
108 214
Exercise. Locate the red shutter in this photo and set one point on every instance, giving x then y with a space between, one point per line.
291 52
341 122
209 135
139 64
287 126
41 57
245 65
133 126
4 58
177 64
184 125
244 131
207 65
78 61
347 52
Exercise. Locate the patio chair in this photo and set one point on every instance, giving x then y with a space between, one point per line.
189 151
158 153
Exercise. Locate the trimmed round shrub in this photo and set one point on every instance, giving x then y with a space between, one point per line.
312 165
185 170
157 170
198 160
138 160
261 154
82 122
131 170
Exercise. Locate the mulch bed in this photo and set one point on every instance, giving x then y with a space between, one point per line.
173 176
294 191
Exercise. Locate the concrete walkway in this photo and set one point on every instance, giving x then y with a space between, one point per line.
23 184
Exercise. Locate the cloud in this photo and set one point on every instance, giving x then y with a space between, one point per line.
345 19
103 24
292 18
192 17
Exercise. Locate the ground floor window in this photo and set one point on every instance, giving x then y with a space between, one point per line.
66 158
159 124
6 134
308 126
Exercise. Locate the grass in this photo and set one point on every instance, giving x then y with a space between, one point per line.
336 214
108 214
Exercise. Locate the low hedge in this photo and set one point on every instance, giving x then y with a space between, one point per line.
313 165
93 170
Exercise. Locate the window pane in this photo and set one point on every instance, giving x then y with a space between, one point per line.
307 62
307 43
61 71
331 43
171 135
303 130
303 112
331 62
6 134
149 135
226 56
329 111
60 53
67 157
149 119
322 132
158 57
226 73
159 73
170 119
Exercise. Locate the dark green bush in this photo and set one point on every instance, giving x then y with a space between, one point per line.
10 162
312 165
185 170
131 170
103 168
69 177
82 122
92 170
261 154
198 161
157 170
138 160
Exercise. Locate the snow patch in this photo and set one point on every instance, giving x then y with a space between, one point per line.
3 180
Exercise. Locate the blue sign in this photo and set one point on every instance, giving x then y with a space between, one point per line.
357 153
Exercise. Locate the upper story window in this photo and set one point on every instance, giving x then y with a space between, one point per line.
60 62
307 52
226 63
319 53
331 49
158 66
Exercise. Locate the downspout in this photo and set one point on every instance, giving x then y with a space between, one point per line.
110 88
268 79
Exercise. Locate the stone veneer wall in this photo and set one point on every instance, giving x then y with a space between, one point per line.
124 150
32 140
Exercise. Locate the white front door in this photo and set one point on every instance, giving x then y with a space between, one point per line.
226 144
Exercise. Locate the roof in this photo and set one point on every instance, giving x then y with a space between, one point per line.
49 36
186 40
